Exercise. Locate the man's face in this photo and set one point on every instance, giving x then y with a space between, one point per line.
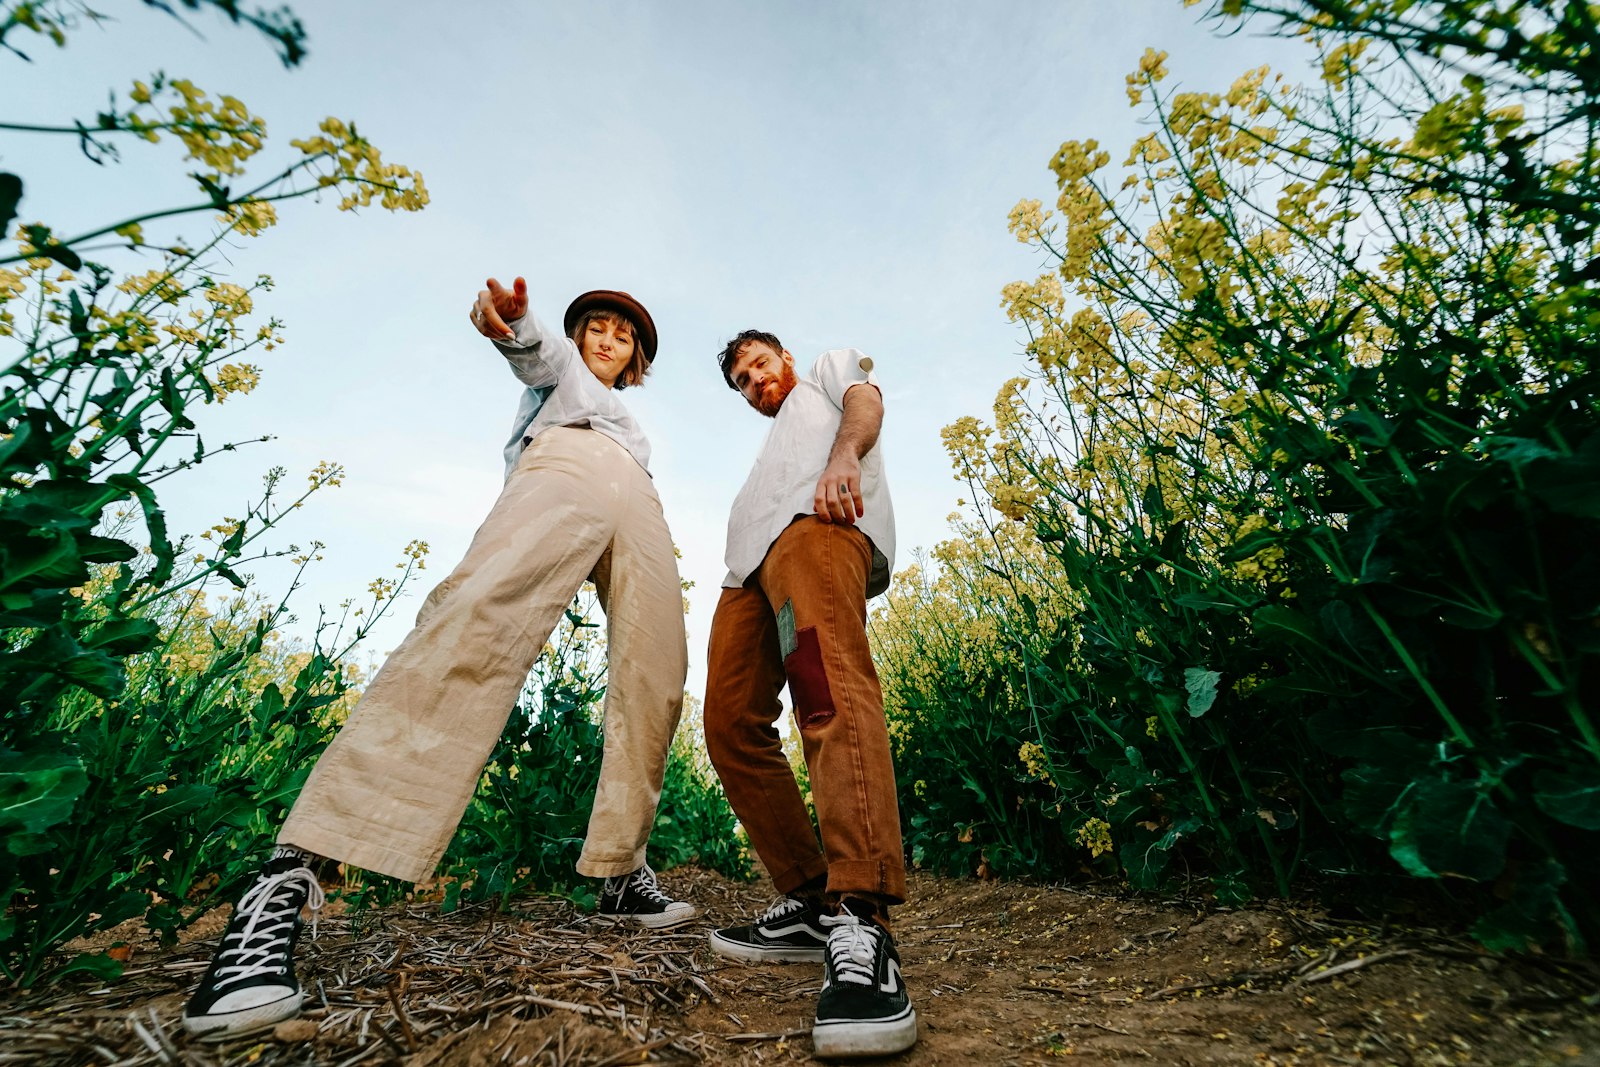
764 375
607 349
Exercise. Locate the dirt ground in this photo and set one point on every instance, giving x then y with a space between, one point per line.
1000 974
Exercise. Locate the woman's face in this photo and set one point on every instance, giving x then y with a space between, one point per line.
607 349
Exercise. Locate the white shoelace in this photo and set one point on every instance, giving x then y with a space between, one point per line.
853 948
784 905
644 883
272 910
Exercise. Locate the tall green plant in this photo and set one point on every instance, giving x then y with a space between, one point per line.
1315 443
102 378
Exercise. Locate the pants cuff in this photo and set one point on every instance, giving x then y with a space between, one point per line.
395 863
801 873
878 879
594 867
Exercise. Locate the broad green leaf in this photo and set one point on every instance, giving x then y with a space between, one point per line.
1449 828
175 801
1201 685
1532 912
95 671
1572 798
123 637
95 964
38 789
1518 450
1285 624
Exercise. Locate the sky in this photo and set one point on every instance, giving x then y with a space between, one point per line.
837 173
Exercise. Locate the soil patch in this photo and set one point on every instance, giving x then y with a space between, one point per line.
1000 973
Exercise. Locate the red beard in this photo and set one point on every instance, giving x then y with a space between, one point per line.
773 394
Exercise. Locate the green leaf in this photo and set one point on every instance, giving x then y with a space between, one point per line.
38 789
269 706
1206 602
1518 450
96 549
50 560
228 573
1569 484
124 637
97 965
1232 891
39 237
95 671
1447 828
1570 798
1201 685
176 801
1283 623
1531 914
10 197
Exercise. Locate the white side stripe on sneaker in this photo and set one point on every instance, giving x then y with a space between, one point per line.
892 984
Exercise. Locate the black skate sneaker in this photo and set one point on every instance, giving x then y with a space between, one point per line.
789 931
863 1009
636 898
251 983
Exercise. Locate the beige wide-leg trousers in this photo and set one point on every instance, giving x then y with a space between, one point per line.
388 792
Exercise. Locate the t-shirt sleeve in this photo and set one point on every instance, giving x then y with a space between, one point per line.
839 369
538 356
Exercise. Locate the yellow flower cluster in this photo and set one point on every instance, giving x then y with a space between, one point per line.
329 473
219 134
1095 835
1264 564
235 378
1152 68
354 161
250 217
1035 762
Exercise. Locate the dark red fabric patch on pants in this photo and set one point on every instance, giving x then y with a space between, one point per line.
808 682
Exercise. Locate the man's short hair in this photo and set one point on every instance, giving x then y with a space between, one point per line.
638 366
730 353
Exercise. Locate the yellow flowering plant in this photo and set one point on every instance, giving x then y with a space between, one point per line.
1309 404
122 727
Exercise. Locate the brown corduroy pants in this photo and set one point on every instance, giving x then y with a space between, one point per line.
390 789
803 617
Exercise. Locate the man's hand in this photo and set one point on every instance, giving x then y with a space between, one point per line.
838 496
496 305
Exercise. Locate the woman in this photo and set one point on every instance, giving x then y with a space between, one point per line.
388 792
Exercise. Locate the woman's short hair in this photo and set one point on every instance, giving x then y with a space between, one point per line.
638 366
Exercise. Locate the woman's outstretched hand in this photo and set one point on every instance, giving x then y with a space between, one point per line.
496 305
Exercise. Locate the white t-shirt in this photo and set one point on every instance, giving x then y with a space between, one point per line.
541 359
782 486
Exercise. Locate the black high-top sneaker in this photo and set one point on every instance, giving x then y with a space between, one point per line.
789 931
636 898
250 983
864 1009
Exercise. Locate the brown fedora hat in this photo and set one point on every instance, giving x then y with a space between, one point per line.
615 301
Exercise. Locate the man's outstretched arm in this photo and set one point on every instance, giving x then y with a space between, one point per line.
838 496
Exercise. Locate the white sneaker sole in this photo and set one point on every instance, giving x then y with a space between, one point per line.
881 1037
663 921
245 1021
756 954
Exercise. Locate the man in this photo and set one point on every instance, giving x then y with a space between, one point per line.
387 793
810 539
